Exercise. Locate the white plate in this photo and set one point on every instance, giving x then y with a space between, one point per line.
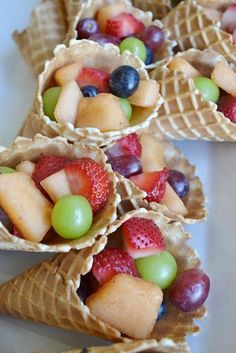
215 239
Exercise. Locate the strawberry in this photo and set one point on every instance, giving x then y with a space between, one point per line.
46 166
131 143
228 20
123 25
153 183
227 105
94 77
88 178
142 237
111 261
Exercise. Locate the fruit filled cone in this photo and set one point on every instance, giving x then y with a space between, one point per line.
24 149
89 54
89 9
191 28
185 114
149 346
133 198
159 8
47 293
47 28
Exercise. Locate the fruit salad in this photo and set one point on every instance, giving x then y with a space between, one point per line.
56 197
120 23
136 280
92 92
166 188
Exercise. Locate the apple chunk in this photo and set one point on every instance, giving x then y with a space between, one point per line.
127 303
68 102
26 167
152 158
173 202
103 111
67 73
56 185
27 208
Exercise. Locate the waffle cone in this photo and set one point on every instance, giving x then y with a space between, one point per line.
90 8
47 292
47 28
184 114
136 347
133 198
26 149
90 54
190 27
159 8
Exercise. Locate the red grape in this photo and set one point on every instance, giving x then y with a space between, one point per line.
190 290
86 27
104 38
116 151
126 165
179 182
152 36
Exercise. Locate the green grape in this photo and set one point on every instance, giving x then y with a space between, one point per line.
72 216
6 170
209 90
135 46
160 269
50 98
127 107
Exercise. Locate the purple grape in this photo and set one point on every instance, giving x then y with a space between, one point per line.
86 27
152 36
88 285
126 165
190 290
116 151
104 38
6 221
179 182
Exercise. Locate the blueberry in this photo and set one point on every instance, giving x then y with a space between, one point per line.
89 91
149 58
179 182
124 81
162 311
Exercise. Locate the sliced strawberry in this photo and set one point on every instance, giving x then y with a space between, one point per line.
80 183
153 183
142 237
228 20
46 166
132 144
93 179
111 261
94 77
124 25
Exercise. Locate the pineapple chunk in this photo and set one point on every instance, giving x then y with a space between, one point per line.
146 95
127 303
183 66
56 185
173 201
26 167
103 111
67 73
27 208
152 158
225 78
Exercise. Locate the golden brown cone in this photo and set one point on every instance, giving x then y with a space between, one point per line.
90 8
149 346
47 28
26 149
184 114
133 198
191 28
159 8
47 292
90 54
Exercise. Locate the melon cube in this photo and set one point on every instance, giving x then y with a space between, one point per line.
127 303
146 95
152 158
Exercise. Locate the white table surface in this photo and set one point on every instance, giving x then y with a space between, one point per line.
215 239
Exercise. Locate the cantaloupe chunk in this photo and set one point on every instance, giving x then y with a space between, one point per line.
127 303
105 13
26 167
152 157
103 111
27 208
146 95
183 66
173 201
67 73
68 102
56 185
